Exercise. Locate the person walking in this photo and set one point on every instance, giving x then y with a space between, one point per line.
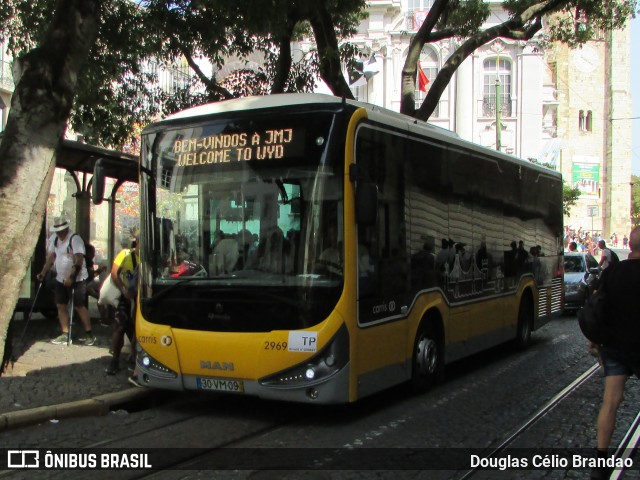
620 356
123 276
605 255
66 250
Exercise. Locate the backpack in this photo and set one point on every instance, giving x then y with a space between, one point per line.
69 247
614 257
132 277
591 318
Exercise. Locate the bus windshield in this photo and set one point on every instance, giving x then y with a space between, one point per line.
244 204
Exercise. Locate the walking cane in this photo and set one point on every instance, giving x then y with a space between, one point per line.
73 291
24 330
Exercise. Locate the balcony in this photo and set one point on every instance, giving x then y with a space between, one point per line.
487 107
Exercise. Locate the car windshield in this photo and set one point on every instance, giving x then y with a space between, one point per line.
573 264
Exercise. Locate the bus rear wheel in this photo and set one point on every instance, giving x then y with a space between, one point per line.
525 323
428 358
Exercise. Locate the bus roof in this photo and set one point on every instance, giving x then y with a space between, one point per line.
376 113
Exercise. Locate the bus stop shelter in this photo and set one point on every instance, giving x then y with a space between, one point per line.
79 160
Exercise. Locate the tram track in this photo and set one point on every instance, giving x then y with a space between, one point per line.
628 446
196 433
533 419
625 449
193 458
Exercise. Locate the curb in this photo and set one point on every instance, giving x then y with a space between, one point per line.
96 406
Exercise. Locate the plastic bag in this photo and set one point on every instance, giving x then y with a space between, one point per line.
109 293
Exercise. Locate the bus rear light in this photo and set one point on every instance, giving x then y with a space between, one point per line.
325 364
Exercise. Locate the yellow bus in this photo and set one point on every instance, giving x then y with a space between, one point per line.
306 248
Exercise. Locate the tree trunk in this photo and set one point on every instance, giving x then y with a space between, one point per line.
46 79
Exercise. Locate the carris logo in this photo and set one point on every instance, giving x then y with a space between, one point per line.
228 366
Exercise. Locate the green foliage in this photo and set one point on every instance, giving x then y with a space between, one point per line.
23 23
115 95
569 198
577 21
635 199
464 18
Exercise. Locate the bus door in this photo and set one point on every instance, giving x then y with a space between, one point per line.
383 273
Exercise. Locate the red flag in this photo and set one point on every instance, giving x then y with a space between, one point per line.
422 79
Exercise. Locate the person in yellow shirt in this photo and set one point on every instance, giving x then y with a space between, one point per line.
124 276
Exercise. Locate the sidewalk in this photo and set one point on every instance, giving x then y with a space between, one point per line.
49 381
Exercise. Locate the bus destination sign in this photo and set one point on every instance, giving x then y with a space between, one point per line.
235 147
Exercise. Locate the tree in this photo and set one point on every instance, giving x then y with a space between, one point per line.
84 66
569 198
218 30
46 79
109 98
570 21
635 200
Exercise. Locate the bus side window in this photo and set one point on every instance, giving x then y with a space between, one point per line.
385 274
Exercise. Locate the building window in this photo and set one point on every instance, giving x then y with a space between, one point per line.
585 121
417 12
2 108
497 68
420 4
430 65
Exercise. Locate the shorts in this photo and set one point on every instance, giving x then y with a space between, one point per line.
618 362
62 294
123 312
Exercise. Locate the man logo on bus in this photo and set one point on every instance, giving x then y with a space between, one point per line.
166 340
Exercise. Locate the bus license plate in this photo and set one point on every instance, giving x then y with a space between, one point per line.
220 385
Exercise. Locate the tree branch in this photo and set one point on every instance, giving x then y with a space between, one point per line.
522 26
409 71
283 63
210 84
328 51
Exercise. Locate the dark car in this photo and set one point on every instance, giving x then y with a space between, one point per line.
581 273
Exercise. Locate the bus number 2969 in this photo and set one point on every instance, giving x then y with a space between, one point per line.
275 345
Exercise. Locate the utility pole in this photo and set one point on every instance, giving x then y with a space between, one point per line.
498 126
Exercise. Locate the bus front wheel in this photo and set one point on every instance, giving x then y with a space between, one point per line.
428 357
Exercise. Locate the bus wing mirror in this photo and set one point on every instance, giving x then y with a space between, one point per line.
97 185
366 203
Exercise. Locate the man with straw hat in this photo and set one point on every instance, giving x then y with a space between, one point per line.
67 250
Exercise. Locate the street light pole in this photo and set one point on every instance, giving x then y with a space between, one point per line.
498 126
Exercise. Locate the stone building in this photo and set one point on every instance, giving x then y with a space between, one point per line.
594 100
558 106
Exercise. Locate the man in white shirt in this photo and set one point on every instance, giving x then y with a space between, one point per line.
67 250
605 259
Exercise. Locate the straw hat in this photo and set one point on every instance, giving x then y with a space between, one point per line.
59 224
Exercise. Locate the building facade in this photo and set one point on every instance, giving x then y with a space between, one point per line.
561 107
557 106
6 85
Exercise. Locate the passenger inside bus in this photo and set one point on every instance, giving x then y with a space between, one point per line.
225 255
331 256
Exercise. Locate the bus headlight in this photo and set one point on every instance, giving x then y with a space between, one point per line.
154 367
326 363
